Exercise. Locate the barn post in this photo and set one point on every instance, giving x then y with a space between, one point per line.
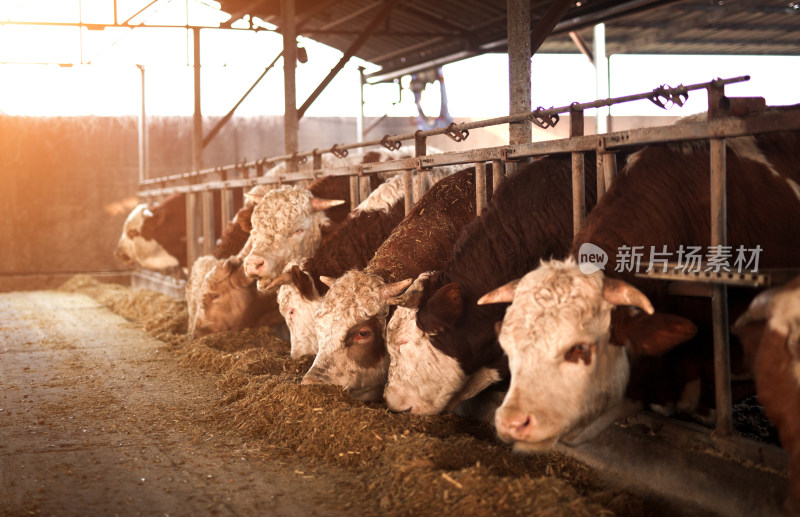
197 119
601 178
480 187
601 78
719 296
408 189
354 191
226 206
144 159
191 227
518 15
421 149
578 175
609 169
207 211
498 173
290 119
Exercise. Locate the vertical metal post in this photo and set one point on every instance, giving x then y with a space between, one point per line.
365 186
601 77
226 206
519 68
191 228
408 189
719 296
498 174
207 211
609 169
290 120
144 172
360 117
601 179
578 175
197 127
316 160
354 201
480 187
421 149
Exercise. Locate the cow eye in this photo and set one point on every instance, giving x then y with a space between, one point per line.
579 352
298 231
133 233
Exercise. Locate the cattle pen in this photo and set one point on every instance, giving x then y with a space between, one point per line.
727 117
115 400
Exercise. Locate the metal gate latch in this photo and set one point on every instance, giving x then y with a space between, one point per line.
392 145
339 153
455 133
543 120
666 96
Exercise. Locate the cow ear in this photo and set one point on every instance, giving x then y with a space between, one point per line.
243 219
303 282
649 334
442 310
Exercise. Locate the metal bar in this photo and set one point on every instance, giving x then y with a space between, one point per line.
143 158
417 186
364 183
124 25
498 174
408 190
354 191
208 221
519 69
290 116
197 120
420 150
224 120
140 11
578 173
728 127
609 169
579 42
226 206
480 187
601 77
191 228
360 116
547 23
350 52
601 179
719 299
352 14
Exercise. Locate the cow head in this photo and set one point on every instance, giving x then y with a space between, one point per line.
773 319
134 248
228 300
569 365
350 326
287 224
298 300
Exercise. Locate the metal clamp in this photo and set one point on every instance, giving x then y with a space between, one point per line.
455 133
392 145
544 120
666 97
339 153
299 159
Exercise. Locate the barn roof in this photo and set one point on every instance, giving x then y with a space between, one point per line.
417 35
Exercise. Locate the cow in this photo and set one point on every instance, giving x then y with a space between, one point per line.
290 223
350 323
577 337
770 332
229 300
155 238
442 346
351 247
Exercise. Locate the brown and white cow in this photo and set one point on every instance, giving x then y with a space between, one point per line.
574 339
155 237
770 332
351 246
350 323
443 346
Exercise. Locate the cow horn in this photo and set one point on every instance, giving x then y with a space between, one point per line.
619 292
389 291
412 296
503 294
147 212
327 280
282 279
318 204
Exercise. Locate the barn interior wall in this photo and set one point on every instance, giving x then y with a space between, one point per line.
69 183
